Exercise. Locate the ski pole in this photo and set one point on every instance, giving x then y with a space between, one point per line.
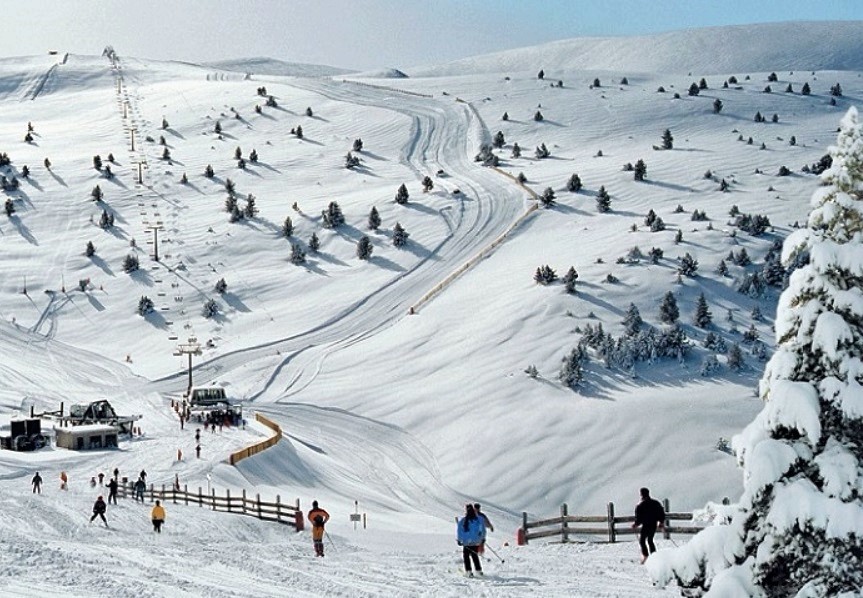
494 552
331 541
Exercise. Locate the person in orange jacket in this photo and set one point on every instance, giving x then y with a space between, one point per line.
158 517
318 518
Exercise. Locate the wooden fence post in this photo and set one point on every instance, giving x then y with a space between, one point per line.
278 508
244 500
200 497
524 526
564 528
228 494
214 498
259 506
152 493
186 494
665 533
612 534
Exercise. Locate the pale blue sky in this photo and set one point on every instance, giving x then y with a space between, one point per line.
365 34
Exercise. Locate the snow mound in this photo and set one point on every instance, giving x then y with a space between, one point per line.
382 74
827 45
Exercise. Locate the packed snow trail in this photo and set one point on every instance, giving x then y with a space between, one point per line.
443 136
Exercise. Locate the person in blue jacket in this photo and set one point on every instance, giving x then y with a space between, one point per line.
470 533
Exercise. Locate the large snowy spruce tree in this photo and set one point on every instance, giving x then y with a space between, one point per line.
798 528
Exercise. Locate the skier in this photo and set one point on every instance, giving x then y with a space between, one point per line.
481 548
99 508
37 483
198 435
116 473
470 532
143 476
319 518
112 490
64 481
101 479
177 482
158 517
140 488
198 451
93 482
649 514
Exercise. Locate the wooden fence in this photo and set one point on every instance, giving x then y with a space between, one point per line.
610 526
240 504
260 446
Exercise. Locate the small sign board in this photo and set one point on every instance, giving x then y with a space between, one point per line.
356 517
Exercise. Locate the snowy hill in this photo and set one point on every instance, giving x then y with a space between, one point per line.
740 49
399 381
269 66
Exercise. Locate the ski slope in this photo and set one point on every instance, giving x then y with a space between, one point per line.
409 415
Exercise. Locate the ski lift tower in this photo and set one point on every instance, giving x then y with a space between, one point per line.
192 347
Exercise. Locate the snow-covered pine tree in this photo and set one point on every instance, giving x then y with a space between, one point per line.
374 219
603 200
574 183
703 318
572 369
632 321
364 248
668 310
796 530
298 256
400 236
314 243
402 195
547 197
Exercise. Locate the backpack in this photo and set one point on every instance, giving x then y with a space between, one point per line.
319 520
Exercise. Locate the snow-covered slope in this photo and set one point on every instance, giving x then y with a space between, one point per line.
739 49
411 415
270 66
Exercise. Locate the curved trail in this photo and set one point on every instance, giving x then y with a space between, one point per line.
443 136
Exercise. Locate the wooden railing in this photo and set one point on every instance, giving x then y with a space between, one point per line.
610 526
260 446
240 504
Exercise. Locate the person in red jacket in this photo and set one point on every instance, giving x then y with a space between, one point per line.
318 518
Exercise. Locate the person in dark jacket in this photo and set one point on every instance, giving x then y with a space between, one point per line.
649 514
99 508
318 517
112 490
470 533
140 488
37 483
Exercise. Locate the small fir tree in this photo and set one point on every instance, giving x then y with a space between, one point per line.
288 227
574 183
374 219
314 243
703 318
298 256
667 140
364 248
400 236
603 200
402 195
668 310
90 250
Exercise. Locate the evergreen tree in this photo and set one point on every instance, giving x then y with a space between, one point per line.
693 89
668 310
667 140
130 263
299 132
210 308
400 236
505 116
351 161
145 306
795 530
9 207
603 200
547 197
541 74
836 90
184 180
47 164
221 286
545 275
251 209
516 151
309 111
640 170
298 256
596 82
314 243
25 171
688 265
717 106
288 227
574 183
374 219
542 152
702 84
332 217
358 145
218 128
703 318
164 123
499 141
364 248
90 250
238 153
253 156
230 204
722 268
521 178
230 187
402 195
96 193
632 321
97 162
569 280
806 90
538 117
572 369
208 172
166 154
